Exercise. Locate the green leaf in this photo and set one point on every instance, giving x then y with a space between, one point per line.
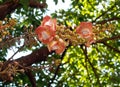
63 0
25 3
56 1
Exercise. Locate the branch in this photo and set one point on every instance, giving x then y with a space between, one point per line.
55 74
10 6
7 8
9 60
57 69
103 13
31 77
37 4
107 39
42 53
94 70
114 49
108 20
12 66
16 52
86 66
35 57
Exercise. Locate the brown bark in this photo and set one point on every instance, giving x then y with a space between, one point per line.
9 6
9 68
31 77
35 57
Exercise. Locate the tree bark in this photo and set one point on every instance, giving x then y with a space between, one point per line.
9 6
35 57
7 69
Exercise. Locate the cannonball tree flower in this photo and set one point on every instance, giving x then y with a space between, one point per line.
57 45
49 22
46 31
90 41
85 31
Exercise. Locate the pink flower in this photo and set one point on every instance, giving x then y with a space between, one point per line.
51 23
46 31
85 31
44 34
57 45
90 41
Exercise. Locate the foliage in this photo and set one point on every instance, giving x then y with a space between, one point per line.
78 66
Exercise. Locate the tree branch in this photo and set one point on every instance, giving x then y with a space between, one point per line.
37 4
9 6
114 49
94 70
23 62
86 66
35 57
107 39
42 53
108 20
57 69
16 52
104 13
31 77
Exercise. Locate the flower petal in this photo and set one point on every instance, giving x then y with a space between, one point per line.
90 41
44 34
84 29
52 45
47 21
46 31
57 45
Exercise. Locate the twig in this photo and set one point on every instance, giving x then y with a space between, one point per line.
86 56
107 39
85 65
91 5
55 74
16 52
57 69
87 69
9 60
108 20
114 49
103 13
8 41
31 77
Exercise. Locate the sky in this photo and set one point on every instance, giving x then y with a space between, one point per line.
51 8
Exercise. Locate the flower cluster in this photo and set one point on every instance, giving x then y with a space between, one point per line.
85 31
69 36
46 34
55 39
10 70
46 31
5 26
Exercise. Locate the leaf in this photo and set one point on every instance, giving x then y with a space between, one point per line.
63 0
56 1
25 3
